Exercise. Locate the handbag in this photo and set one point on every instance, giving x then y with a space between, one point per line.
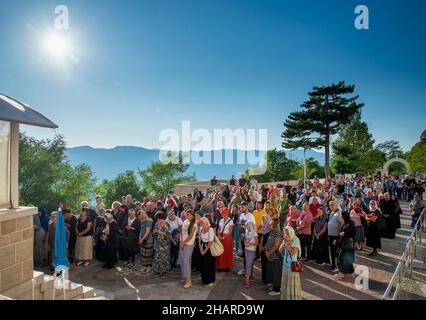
297 266
216 248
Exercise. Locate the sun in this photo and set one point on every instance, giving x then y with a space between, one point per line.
57 45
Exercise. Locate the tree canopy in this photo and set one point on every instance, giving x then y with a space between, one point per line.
46 177
322 115
417 157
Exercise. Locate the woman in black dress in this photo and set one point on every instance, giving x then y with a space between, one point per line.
99 225
109 237
346 256
373 233
397 212
122 218
387 207
131 236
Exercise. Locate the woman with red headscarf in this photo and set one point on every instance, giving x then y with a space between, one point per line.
224 261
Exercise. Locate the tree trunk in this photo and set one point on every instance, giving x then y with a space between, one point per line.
327 155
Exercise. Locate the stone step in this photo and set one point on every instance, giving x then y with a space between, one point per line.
48 283
24 291
88 292
104 294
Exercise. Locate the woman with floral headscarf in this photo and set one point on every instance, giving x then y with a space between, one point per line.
290 281
109 238
226 225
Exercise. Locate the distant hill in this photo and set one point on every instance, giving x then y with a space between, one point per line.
107 163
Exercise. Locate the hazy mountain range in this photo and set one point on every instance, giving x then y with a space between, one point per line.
107 163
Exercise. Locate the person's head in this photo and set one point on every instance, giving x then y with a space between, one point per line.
143 216
160 215
171 215
129 198
289 232
225 212
274 225
259 205
98 199
84 204
115 206
373 204
54 216
138 206
67 213
190 215
306 208
234 208
293 210
369 194
101 212
321 212
387 196
244 207
355 205
315 200
132 213
124 208
205 223
267 205
197 216
83 213
333 205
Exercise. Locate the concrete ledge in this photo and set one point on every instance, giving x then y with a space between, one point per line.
8 214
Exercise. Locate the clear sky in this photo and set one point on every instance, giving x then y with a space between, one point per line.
138 67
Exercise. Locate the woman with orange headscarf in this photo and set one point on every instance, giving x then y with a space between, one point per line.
224 261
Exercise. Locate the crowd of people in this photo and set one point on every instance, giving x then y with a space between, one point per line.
282 225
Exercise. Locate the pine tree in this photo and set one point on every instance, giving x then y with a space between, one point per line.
322 115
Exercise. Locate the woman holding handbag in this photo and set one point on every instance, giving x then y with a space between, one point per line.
207 261
290 278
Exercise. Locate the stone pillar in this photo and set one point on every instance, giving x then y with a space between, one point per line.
16 246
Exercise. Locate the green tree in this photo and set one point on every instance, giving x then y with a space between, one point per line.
391 149
278 167
354 151
162 177
46 177
122 185
326 110
313 168
417 157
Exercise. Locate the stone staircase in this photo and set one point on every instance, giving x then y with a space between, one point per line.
42 287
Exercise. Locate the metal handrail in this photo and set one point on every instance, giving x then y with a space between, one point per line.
406 261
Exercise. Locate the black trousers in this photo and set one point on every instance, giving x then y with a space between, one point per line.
306 245
333 250
320 250
263 258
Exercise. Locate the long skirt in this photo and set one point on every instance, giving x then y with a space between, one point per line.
147 253
373 237
273 273
196 257
208 268
40 249
290 285
110 254
185 257
84 249
359 234
224 261
161 262
346 261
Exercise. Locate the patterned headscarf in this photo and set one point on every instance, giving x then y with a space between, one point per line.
294 240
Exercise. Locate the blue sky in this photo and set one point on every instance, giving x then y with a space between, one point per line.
143 66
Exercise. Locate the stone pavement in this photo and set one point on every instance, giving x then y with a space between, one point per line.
317 282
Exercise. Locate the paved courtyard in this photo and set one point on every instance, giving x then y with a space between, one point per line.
317 282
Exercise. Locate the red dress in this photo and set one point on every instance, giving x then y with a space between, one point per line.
224 261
